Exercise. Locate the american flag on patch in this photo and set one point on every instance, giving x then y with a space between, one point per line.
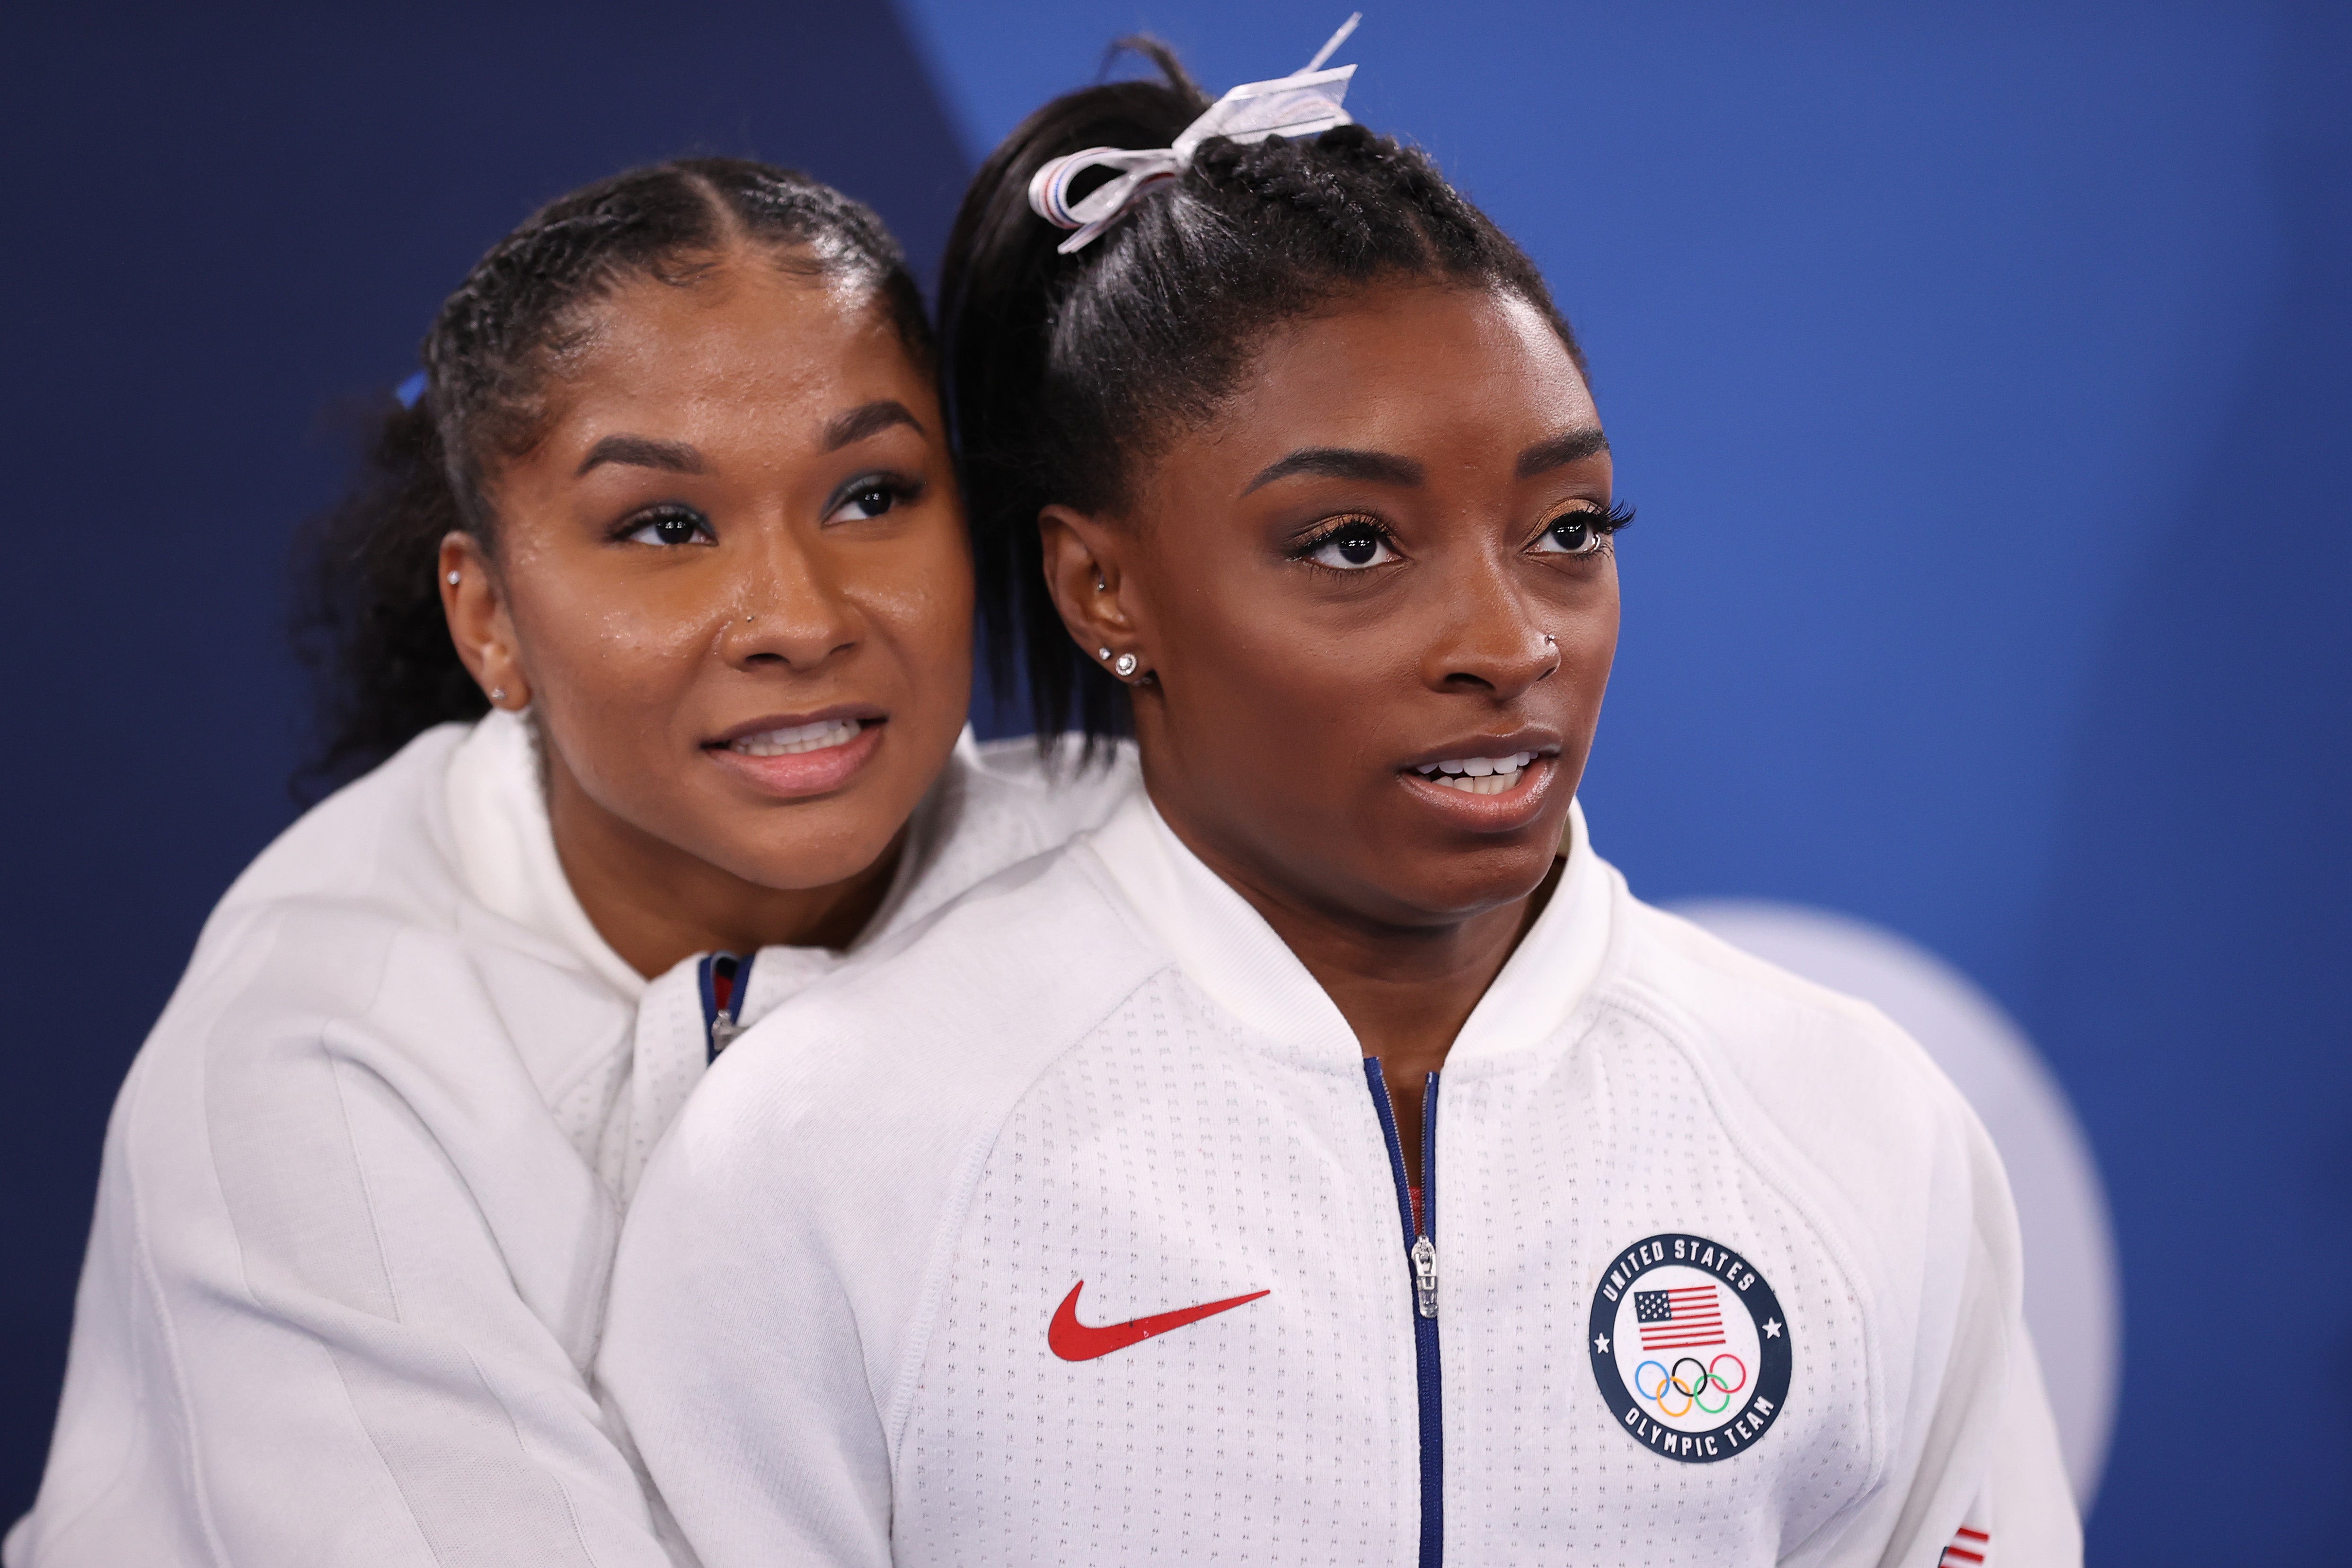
1679 1319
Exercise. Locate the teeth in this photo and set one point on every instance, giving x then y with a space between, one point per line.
1477 775
817 737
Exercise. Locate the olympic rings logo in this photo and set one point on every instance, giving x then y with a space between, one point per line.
1691 1387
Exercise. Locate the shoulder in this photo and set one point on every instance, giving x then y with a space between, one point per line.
1756 1017
1000 803
821 1170
1817 1086
929 1040
311 928
382 840
351 935
1044 796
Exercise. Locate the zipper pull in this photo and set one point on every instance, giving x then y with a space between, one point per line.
723 1030
1424 1277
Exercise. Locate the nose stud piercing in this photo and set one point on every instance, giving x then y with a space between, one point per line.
1124 666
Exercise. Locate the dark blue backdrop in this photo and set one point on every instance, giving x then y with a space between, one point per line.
1980 370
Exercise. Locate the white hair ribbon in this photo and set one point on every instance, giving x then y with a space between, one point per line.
1305 103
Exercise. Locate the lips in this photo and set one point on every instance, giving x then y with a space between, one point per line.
1478 776
797 740
793 756
1486 783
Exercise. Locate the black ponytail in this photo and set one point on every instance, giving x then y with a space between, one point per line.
1063 373
368 622
367 618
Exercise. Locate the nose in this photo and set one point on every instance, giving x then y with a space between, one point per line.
788 610
1492 641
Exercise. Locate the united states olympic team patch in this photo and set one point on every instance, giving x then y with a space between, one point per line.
1689 1347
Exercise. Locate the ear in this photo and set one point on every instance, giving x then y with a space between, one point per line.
480 626
1085 571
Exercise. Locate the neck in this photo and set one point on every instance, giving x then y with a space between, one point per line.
657 904
1404 990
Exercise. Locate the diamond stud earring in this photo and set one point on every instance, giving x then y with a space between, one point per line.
1124 666
453 579
498 694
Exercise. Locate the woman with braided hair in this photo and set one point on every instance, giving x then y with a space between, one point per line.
1328 1160
653 635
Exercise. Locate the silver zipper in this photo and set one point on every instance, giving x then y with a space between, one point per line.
1424 1277
723 1030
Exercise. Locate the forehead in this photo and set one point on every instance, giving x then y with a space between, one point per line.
1405 368
743 344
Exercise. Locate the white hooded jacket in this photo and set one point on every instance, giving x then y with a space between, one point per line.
360 1188
1075 1231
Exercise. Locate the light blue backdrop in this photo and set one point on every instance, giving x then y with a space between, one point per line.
1978 371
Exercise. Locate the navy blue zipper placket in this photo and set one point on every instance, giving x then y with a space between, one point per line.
1420 1258
721 1025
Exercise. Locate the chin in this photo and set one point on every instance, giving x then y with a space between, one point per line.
813 844
1441 886
799 867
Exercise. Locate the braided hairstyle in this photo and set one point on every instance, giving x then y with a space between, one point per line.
368 621
1065 373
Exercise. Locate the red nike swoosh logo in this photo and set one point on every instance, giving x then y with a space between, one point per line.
1073 1341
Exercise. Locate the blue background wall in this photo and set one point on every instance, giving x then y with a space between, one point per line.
1980 371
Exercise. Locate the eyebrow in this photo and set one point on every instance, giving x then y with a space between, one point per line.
868 419
643 452
1386 469
1572 446
1340 463
679 457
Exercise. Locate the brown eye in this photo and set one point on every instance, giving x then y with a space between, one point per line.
1353 547
1571 533
676 526
865 502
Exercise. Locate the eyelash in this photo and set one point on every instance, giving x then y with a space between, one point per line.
637 522
901 491
1604 522
1339 527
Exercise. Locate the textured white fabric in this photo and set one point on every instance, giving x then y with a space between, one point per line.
506 851
354 1222
829 1325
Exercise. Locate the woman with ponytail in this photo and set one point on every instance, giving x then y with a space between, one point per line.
651 638
1328 1160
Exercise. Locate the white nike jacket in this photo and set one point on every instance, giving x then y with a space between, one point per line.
1075 1230
362 1185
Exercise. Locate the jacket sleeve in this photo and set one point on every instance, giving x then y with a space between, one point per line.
733 1349
2025 1517
340 1296
1975 1476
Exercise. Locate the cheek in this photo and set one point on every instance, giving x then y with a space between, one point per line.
1264 685
917 597
1587 632
603 660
